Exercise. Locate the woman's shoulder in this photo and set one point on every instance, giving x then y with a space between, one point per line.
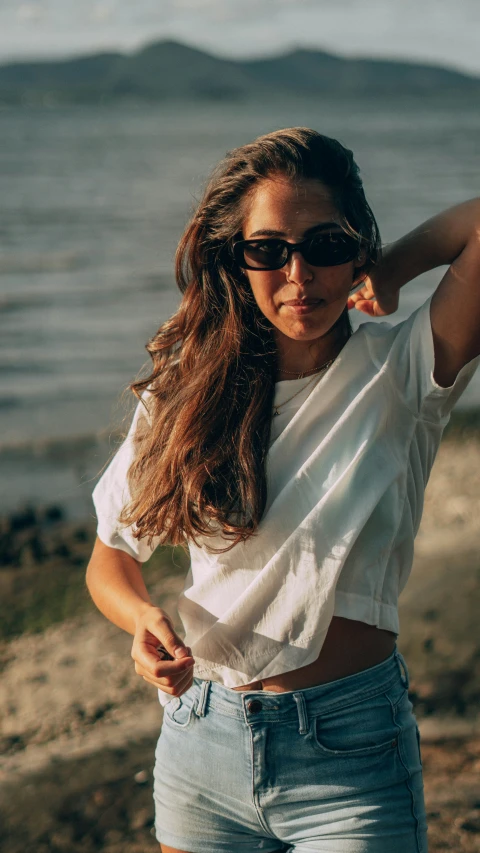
372 341
380 335
377 329
395 344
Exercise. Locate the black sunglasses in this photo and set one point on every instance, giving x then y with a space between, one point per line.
328 249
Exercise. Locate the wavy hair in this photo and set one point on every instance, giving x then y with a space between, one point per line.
201 444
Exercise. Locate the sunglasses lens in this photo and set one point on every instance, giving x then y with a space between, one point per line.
323 250
266 255
330 250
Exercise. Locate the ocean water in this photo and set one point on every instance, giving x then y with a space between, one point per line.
94 201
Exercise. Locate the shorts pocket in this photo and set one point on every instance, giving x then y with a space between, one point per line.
363 728
178 711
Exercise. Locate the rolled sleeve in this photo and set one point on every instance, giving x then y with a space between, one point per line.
112 494
411 364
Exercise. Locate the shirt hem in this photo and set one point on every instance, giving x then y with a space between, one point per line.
363 608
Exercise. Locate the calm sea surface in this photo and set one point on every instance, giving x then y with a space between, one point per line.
93 203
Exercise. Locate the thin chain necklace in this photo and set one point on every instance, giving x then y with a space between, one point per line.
301 375
317 369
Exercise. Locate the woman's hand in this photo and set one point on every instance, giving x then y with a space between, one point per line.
160 655
374 299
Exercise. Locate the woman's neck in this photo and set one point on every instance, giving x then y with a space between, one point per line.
294 365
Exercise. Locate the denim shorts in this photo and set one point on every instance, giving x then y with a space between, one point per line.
334 768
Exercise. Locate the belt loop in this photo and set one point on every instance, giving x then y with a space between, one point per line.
302 713
402 666
202 699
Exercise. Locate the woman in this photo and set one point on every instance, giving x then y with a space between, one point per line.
291 456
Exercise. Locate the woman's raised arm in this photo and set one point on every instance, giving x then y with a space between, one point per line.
450 238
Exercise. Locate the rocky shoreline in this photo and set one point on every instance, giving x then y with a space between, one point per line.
78 726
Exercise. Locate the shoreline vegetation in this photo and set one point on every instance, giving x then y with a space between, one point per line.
78 726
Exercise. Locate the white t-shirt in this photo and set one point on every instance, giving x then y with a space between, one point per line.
346 473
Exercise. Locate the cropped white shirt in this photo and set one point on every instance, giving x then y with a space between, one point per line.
346 473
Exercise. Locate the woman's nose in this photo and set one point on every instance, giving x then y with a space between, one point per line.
298 270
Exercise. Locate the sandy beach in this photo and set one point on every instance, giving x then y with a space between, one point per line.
78 726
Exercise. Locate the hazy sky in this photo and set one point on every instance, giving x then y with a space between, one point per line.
442 31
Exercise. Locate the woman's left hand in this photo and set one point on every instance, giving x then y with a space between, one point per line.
374 300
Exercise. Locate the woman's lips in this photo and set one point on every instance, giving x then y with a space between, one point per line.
305 308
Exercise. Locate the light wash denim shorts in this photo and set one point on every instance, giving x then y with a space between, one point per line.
333 768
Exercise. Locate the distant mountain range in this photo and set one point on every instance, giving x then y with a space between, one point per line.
167 70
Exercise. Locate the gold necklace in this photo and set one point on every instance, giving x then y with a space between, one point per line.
279 406
315 369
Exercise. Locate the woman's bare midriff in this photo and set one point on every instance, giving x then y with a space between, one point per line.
349 647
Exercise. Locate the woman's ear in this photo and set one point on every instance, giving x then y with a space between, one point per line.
359 273
361 258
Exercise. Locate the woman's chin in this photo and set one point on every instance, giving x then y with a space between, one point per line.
307 326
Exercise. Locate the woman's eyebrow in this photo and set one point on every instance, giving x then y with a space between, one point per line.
269 232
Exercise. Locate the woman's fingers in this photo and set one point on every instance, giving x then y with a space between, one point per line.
367 306
164 672
176 688
161 657
375 305
152 660
360 296
163 669
375 300
154 637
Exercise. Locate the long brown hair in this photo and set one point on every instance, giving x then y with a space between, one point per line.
201 449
